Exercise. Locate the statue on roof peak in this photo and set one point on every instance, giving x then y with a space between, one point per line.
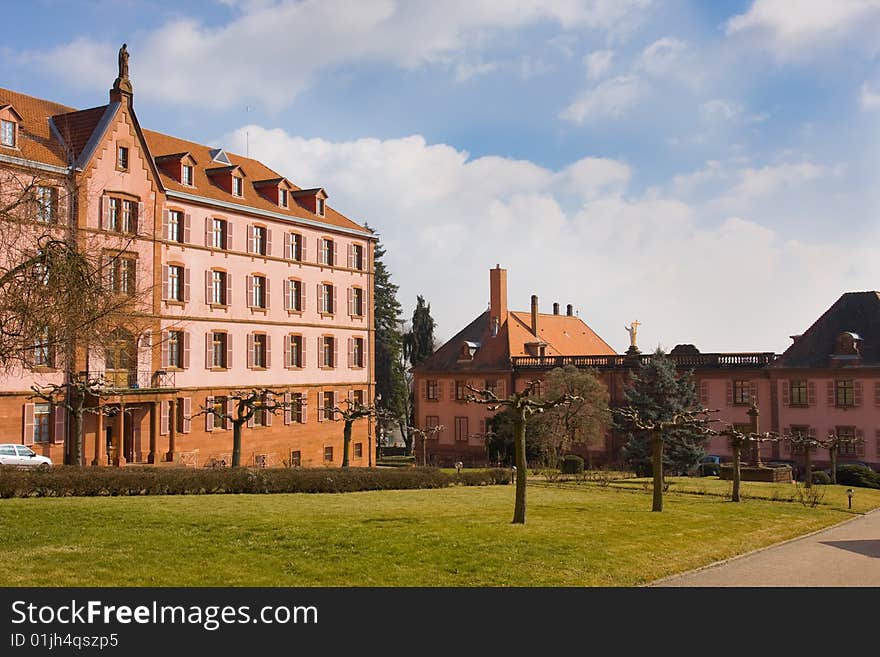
123 62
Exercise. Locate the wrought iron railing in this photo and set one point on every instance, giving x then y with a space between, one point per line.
134 379
683 361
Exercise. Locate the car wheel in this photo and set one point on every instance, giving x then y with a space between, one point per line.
43 467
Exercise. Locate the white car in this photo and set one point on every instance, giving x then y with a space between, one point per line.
22 456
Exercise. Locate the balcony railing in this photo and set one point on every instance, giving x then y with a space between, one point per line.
134 379
682 361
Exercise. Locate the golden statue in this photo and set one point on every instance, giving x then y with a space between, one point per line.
632 329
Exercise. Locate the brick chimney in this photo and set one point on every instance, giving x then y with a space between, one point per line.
569 310
535 315
497 297
556 308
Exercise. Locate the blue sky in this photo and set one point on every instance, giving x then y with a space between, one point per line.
708 168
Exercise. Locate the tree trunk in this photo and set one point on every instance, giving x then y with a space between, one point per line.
77 431
808 466
832 452
346 441
737 475
236 442
657 445
519 433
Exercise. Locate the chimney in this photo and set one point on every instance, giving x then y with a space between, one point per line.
497 297
569 310
556 308
535 314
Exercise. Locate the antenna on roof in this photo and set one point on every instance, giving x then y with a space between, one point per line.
247 136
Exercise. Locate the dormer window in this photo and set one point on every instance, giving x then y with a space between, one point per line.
847 344
237 186
282 198
186 174
7 133
468 349
320 206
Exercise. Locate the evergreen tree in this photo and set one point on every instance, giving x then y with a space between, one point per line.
658 392
418 343
390 380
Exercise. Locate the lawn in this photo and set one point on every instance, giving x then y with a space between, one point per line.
577 534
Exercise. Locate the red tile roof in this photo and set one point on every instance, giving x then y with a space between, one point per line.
36 142
76 128
35 139
160 145
563 335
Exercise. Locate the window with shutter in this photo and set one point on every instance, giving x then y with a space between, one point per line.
209 416
163 418
187 415
704 392
59 428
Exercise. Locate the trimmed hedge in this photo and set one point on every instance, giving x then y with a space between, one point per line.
62 481
572 464
857 475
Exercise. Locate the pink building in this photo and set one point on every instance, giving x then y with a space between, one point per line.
248 281
828 381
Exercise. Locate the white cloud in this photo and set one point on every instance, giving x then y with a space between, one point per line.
719 109
789 27
465 71
571 235
663 56
870 99
271 51
771 178
597 63
610 98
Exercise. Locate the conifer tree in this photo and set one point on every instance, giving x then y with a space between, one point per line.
390 380
418 343
658 393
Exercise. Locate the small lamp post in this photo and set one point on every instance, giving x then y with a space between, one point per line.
849 495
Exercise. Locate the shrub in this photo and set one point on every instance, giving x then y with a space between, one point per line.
857 475
820 477
572 464
810 497
76 481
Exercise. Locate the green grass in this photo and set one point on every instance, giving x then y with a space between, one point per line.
576 535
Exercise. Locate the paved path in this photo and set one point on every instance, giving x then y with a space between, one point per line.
846 555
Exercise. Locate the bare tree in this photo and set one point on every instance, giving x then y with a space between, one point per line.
523 405
806 443
695 421
72 396
246 404
739 440
425 434
584 421
349 414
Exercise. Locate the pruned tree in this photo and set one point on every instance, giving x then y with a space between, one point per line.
523 404
738 441
804 441
692 421
246 404
582 422
426 434
72 396
833 443
349 414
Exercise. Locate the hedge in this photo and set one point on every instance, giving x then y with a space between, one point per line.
62 481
